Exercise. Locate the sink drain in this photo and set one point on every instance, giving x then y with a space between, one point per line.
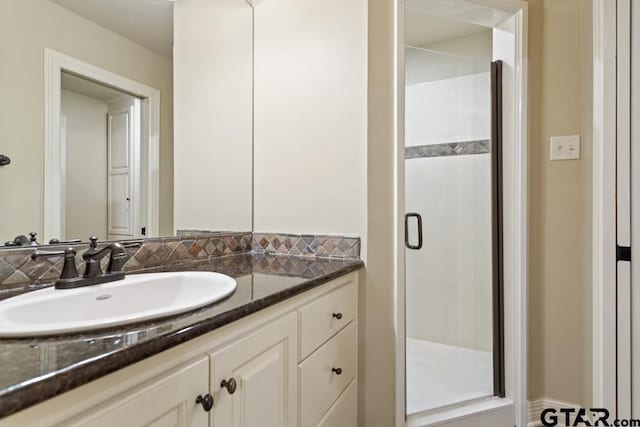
102 297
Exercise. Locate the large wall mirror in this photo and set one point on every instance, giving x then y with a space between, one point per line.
124 118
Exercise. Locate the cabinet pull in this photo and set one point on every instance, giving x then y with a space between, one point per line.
337 315
337 371
206 401
230 385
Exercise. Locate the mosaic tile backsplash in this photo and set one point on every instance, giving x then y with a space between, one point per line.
306 245
462 148
19 273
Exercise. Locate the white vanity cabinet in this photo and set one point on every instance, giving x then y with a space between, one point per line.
261 371
291 364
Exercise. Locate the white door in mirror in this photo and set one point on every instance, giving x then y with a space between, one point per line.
123 147
136 298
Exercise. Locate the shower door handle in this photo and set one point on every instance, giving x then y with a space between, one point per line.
406 230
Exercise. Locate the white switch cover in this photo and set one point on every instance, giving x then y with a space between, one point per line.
564 147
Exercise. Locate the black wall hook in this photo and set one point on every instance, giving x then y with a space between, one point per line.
4 160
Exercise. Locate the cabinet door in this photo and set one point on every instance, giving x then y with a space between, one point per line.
166 401
263 366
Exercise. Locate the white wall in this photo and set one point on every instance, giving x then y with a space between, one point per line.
86 178
26 28
449 110
310 116
213 115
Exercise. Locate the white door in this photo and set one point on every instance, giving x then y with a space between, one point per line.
628 210
259 374
635 142
123 145
628 218
167 401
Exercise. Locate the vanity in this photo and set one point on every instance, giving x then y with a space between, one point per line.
280 351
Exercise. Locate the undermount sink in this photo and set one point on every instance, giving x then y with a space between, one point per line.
137 298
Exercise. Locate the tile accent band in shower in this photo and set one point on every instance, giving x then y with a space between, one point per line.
481 146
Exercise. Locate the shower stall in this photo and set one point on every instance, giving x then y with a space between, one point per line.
453 225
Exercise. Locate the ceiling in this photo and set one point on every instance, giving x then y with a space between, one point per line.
91 89
146 22
470 11
423 28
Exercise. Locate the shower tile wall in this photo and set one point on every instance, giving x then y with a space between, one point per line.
451 110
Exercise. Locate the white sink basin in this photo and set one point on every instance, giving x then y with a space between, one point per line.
138 297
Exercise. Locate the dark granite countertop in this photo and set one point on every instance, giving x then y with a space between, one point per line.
35 369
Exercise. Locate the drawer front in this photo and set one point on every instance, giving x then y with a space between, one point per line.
320 385
324 317
343 413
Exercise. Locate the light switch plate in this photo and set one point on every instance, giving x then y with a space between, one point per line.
564 147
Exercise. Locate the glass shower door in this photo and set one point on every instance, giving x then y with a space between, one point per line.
450 254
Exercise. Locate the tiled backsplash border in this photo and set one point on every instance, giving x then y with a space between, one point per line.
481 146
306 245
19 273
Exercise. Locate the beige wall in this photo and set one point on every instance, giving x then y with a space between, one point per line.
377 345
559 287
26 28
86 184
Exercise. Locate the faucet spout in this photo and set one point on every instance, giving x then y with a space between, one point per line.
93 256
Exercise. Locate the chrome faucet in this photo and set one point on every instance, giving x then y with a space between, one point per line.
93 274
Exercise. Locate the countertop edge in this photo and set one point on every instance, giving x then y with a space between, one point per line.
44 388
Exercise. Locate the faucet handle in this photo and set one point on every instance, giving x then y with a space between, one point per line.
68 252
69 270
56 241
118 257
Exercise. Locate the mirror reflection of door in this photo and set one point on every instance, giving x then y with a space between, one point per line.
100 149
123 144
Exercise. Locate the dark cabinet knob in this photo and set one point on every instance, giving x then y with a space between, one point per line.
337 371
337 315
230 385
206 401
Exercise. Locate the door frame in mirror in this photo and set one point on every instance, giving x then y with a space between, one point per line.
54 64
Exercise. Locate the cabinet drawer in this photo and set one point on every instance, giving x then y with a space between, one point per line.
324 317
320 386
343 413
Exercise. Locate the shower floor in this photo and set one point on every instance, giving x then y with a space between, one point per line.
440 375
